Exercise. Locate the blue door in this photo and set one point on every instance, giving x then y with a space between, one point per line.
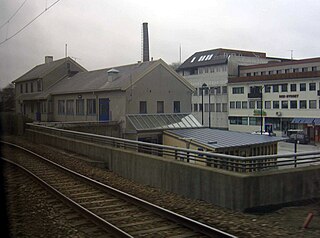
104 109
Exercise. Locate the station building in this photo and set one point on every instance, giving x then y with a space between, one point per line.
63 91
208 71
285 95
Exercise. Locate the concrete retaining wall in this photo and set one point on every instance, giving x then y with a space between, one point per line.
226 189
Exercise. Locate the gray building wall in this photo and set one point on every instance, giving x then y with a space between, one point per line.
158 85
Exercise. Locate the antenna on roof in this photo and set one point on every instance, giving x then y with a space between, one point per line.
66 51
291 55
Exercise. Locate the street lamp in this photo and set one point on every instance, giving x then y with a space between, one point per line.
204 86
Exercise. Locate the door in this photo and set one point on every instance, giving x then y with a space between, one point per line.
104 109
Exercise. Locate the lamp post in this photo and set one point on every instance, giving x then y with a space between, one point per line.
261 118
204 85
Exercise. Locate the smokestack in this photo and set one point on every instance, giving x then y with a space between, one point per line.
48 59
145 39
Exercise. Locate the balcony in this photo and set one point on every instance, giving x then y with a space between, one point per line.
254 95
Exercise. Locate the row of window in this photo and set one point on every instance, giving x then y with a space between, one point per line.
278 88
285 104
213 107
66 107
25 87
253 121
212 90
282 71
143 107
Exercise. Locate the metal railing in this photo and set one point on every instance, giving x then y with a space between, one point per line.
209 159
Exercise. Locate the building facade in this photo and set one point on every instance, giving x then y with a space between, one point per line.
208 71
285 95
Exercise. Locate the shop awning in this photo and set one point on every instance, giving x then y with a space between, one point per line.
306 121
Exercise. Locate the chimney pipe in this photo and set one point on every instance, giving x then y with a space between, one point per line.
48 59
145 48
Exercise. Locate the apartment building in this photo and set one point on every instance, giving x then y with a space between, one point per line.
282 94
208 71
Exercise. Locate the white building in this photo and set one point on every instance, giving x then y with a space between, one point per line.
212 68
289 94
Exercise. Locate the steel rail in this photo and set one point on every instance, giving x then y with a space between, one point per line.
105 225
185 221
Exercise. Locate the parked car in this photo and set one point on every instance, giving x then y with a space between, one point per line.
264 133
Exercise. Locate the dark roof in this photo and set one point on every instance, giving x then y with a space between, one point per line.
218 139
215 57
97 80
283 63
42 70
273 77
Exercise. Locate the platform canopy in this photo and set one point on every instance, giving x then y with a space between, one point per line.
315 121
149 122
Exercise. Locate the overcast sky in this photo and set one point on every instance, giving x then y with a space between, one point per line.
106 33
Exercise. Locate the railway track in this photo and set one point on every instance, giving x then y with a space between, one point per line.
119 213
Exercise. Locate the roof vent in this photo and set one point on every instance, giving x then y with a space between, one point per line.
112 74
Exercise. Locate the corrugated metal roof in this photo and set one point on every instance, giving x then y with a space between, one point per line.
223 139
143 122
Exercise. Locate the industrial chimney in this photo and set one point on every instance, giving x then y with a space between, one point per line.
145 42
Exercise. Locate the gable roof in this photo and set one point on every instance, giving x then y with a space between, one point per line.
97 80
215 57
42 70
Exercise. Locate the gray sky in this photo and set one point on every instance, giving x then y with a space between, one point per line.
105 33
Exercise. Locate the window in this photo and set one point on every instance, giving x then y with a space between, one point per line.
218 90
293 104
238 104
258 104
252 105
212 109
206 91
244 104
248 74
200 107
32 107
61 107
312 104
287 71
254 121
143 107
267 104
176 106
39 85
284 87
270 72
91 107
314 68
232 105
238 120
305 69
303 104
312 86
293 87
284 104
275 88
218 109
263 73
275 104
295 70
69 107
160 107
224 89
43 107
80 107
267 89
27 87
31 87
224 107
303 86
195 107
238 90
279 71
206 107
21 88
